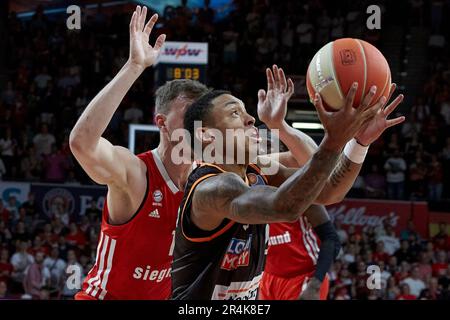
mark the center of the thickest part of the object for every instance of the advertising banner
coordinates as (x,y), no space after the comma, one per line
(363,213)
(14,189)
(184,52)
(58,198)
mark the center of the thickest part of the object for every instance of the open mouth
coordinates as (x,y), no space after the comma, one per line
(254,135)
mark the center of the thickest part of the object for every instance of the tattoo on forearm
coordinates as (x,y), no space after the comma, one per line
(303,187)
(341,170)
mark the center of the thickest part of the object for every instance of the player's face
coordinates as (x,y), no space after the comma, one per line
(229,114)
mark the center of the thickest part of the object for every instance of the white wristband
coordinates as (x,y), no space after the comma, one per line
(355,152)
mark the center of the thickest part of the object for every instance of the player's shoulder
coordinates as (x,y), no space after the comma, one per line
(221,185)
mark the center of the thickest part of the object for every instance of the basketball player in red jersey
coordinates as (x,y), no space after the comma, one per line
(299,254)
(138,221)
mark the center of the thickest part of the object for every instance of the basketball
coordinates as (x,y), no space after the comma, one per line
(339,63)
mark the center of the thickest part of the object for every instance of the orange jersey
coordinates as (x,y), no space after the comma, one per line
(134,259)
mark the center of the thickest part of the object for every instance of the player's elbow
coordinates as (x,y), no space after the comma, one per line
(328,198)
(285,210)
(75,141)
(79,142)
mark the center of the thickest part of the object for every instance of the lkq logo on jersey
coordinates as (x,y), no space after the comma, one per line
(237,254)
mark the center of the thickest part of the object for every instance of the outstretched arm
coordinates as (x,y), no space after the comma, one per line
(227,196)
(98,157)
(116,166)
(301,147)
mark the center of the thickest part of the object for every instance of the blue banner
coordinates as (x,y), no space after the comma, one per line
(60,198)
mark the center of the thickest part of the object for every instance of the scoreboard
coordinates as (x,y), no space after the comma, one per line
(182,60)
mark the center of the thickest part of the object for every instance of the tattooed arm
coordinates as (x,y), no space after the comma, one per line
(227,196)
(337,185)
(340,181)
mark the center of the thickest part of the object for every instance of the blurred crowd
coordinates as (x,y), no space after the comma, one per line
(44,257)
(376,263)
(52,73)
(47,258)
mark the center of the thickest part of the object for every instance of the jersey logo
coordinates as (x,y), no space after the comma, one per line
(157,197)
(255,179)
(280,239)
(154,214)
(237,254)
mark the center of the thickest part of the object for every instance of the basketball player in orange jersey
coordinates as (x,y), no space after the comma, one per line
(299,254)
(138,221)
(221,233)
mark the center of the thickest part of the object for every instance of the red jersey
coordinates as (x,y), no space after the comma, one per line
(293,249)
(134,259)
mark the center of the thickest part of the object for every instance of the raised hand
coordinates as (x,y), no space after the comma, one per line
(272,105)
(142,54)
(373,129)
(343,125)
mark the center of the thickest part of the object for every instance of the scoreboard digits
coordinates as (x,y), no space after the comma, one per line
(182,72)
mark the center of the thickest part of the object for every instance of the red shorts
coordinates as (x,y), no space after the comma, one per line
(276,288)
(81,295)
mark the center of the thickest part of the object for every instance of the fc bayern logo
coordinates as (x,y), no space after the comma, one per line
(58,201)
(157,196)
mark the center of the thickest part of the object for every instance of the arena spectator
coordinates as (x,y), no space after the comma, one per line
(417,176)
(441,241)
(30,205)
(75,271)
(6,268)
(409,231)
(390,241)
(441,265)
(4,291)
(55,165)
(375,183)
(395,177)
(42,79)
(435,179)
(416,285)
(405,293)
(31,165)
(76,238)
(424,266)
(5,215)
(37,278)
(21,260)
(392,291)
(43,141)
(57,267)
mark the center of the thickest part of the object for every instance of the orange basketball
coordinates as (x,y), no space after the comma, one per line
(339,63)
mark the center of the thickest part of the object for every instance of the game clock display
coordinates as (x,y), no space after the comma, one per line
(166,72)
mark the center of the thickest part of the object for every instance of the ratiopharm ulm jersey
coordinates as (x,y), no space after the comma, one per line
(223,264)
